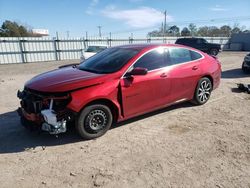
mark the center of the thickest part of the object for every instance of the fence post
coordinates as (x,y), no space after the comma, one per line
(83,42)
(86,42)
(164,40)
(130,40)
(55,49)
(110,39)
(21,51)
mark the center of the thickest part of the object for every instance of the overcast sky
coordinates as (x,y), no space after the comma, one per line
(121,16)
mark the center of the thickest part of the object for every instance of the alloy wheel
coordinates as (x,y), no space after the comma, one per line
(204,91)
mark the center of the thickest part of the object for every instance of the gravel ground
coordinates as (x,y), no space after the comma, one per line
(180,146)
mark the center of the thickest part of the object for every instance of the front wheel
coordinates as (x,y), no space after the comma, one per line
(202,91)
(94,121)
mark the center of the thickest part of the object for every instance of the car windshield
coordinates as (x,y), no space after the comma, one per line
(95,48)
(108,61)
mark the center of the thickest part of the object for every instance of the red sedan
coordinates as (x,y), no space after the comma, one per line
(116,84)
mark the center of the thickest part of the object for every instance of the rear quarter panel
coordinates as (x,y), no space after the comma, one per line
(212,67)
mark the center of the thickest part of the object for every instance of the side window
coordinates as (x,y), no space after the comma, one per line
(152,60)
(179,55)
(195,55)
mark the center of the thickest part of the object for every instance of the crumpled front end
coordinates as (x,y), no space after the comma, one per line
(45,111)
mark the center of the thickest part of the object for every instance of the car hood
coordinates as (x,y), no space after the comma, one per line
(64,79)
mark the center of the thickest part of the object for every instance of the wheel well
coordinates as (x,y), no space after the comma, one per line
(114,109)
(210,78)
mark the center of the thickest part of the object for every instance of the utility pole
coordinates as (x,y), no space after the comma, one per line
(100,30)
(165,22)
(86,35)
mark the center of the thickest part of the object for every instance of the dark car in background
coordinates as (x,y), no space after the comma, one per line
(246,64)
(200,44)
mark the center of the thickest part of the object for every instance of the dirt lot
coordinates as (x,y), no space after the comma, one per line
(180,146)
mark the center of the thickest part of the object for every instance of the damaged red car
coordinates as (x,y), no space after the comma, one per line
(116,84)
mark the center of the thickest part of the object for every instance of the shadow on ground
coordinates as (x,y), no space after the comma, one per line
(234,73)
(15,138)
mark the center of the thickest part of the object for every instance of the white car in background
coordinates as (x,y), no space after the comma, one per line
(92,50)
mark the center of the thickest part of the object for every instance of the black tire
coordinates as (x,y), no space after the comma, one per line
(214,51)
(94,121)
(203,91)
(245,69)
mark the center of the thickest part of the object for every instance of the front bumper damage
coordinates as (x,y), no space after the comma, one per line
(46,112)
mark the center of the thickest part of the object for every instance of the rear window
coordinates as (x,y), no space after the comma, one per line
(179,55)
(195,55)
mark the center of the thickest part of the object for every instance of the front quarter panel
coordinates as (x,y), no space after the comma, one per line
(107,90)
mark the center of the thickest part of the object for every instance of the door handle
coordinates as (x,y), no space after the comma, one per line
(195,68)
(163,75)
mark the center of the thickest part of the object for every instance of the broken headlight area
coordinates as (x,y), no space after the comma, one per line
(46,111)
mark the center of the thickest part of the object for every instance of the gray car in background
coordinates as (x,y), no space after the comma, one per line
(92,50)
(246,64)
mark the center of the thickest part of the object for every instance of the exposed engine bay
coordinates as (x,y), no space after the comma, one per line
(45,111)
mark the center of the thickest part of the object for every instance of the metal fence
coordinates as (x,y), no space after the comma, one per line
(23,50)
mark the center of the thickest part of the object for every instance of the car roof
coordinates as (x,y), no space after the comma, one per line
(146,46)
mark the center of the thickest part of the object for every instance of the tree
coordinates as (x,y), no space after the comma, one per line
(203,31)
(10,29)
(246,31)
(155,33)
(225,30)
(193,29)
(174,30)
(185,32)
(236,30)
(13,29)
(214,31)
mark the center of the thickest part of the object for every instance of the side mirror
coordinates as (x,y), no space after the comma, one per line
(138,71)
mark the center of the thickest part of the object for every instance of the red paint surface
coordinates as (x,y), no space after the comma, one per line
(131,96)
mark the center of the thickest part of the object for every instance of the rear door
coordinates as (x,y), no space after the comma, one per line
(145,93)
(184,73)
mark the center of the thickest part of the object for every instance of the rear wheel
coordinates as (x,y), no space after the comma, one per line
(214,51)
(94,121)
(202,91)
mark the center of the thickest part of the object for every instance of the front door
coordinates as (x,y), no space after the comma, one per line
(144,93)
